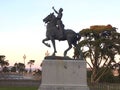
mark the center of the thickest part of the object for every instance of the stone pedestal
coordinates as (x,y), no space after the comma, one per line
(64,75)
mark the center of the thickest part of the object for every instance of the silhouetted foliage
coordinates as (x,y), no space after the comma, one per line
(31,62)
(99,45)
(13,69)
(5,69)
(3,63)
(20,67)
(38,72)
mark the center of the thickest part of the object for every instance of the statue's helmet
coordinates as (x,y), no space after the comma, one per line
(60,9)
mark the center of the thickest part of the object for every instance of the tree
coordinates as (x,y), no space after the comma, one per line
(31,62)
(2,58)
(20,67)
(100,44)
(13,69)
(3,63)
(5,69)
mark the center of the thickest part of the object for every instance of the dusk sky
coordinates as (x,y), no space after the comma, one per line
(22,28)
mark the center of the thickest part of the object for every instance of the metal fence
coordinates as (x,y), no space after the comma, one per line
(19,83)
(104,86)
(99,86)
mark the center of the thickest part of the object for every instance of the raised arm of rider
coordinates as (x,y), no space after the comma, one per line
(54,10)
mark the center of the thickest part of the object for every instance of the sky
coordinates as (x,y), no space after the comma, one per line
(22,28)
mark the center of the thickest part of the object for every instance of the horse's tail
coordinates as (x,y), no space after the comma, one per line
(78,36)
(76,39)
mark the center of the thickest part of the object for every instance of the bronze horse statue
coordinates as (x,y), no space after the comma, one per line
(52,34)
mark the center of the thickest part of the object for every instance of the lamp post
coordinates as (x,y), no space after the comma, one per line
(24,57)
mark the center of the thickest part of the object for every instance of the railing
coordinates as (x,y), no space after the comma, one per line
(19,83)
(99,86)
(104,86)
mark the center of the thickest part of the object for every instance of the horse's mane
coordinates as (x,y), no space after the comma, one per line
(53,16)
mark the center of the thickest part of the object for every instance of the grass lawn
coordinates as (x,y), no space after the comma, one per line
(18,88)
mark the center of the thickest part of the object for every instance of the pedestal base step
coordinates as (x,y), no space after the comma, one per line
(62,87)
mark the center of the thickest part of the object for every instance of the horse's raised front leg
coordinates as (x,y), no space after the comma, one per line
(53,42)
(46,39)
(70,46)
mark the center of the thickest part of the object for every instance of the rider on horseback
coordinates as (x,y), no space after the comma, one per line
(52,33)
(59,22)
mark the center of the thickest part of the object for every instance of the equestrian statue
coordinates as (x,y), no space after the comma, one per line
(56,31)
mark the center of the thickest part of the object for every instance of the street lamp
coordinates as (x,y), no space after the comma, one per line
(24,57)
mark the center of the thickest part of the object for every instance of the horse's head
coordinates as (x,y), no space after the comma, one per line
(49,18)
